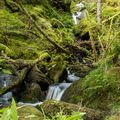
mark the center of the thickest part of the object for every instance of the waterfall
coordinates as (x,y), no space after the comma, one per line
(5,80)
(57,90)
(72,77)
(80,14)
(75,18)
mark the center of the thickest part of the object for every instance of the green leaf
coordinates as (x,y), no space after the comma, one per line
(14,115)
(6,115)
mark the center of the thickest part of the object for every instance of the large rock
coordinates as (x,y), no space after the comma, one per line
(29,113)
(33,93)
(35,75)
(57,73)
(73,93)
(52,107)
(35,87)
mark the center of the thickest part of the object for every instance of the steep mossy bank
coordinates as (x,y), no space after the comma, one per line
(99,89)
(19,37)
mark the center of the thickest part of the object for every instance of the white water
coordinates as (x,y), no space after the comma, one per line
(72,77)
(4,82)
(31,104)
(80,13)
(75,18)
(56,91)
(6,97)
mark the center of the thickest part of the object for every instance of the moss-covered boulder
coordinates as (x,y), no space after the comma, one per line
(36,76)
(33,93)
(35,87)
(29,113)
(57,72)
(51,108)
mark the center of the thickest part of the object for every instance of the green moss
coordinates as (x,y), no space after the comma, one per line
(9,21)
(115,116)
(99,89)
(56,69)
(52,107)
(1,4)
(28,113)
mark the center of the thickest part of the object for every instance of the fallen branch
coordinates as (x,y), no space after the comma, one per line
(40,30)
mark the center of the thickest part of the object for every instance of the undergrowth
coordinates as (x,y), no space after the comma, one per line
(60,116)
(9,113)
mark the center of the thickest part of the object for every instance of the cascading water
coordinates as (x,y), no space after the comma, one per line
(31,104)
(80,14)
(71,76)
(57,90)
(5,80)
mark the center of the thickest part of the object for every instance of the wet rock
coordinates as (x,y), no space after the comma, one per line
(36,76)
(35,86)
(29,113)
(52,107)
(58,72)
(33,93)
(72,94)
